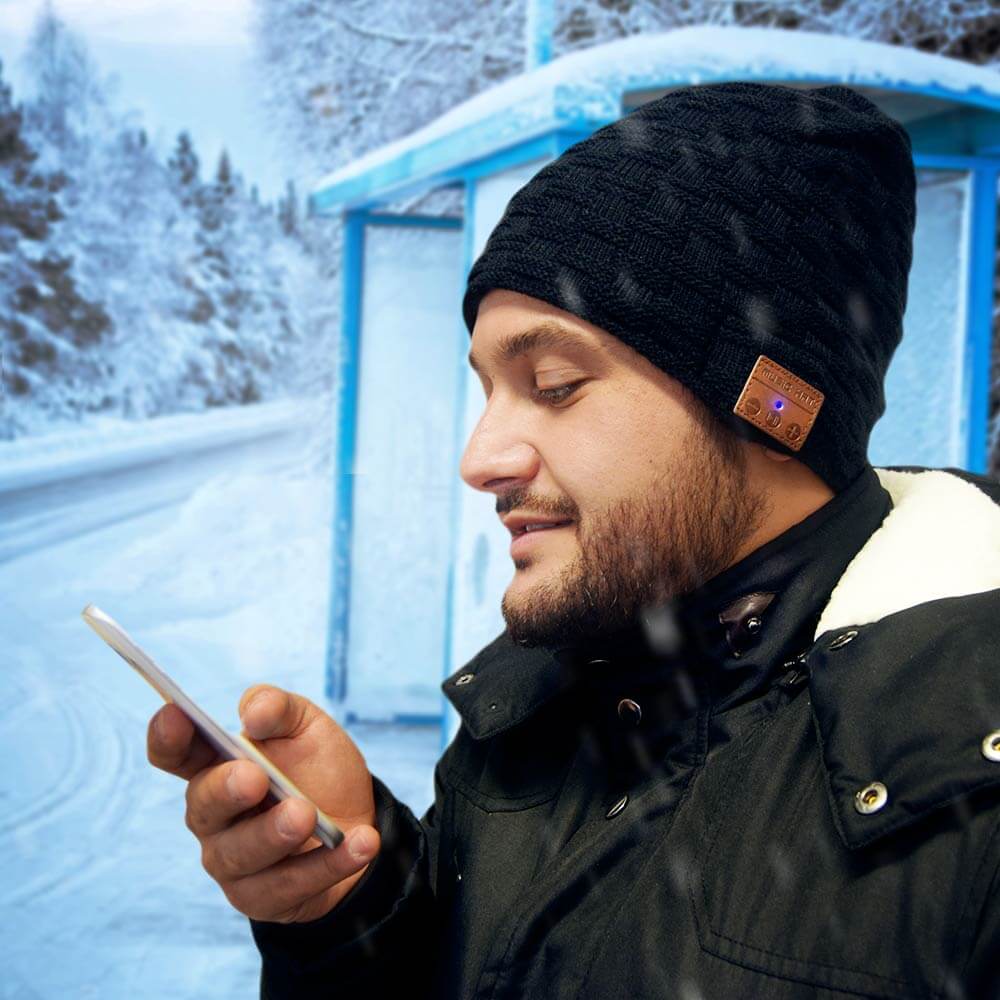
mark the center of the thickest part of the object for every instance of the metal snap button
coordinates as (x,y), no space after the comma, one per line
(991,745)
(629,711)
(871,798)
(753,624)
(465,678)
(843,640)
(617,807)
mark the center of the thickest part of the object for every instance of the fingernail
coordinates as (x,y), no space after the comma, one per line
(361,845)
(159,726)
(285,825)
(257,697)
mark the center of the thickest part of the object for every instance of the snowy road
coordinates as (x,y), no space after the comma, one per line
(52,489)
(225,582)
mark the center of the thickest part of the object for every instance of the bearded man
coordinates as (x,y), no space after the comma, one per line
(741,734)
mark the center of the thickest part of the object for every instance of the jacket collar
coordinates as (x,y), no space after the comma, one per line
(941,540)
(903,681)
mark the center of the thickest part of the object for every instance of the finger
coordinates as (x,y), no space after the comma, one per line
(268,712)
(250,845)
(277,892)
(217,795)
(174,745)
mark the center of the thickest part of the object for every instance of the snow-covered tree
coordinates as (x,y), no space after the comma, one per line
(49,333)
(342,78)
(288,210)
(185,167)
(129,284)
(967,30)
(67,102)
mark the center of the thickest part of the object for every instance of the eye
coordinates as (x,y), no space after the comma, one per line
(558,393)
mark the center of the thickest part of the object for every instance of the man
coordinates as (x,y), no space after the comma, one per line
(741,734)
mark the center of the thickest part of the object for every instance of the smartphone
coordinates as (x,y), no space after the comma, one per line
(232,747)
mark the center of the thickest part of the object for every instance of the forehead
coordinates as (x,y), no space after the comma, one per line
(546,335)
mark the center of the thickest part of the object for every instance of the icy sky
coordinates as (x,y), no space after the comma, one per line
(182,63)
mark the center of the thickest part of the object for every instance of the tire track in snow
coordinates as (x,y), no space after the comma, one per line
(49,800)
(92,794)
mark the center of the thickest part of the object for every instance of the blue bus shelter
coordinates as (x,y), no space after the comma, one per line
(420,560)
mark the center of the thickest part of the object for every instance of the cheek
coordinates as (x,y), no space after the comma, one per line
(602,462)
(634,449)
(619,448)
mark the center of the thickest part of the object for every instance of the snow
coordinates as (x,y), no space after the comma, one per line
(104,894)
(593,81)
(103,444)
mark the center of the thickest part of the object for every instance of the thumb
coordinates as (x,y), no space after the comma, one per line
(268,712)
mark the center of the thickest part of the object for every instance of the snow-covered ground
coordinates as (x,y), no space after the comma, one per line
(104,894)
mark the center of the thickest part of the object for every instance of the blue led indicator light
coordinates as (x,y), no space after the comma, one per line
(778,404)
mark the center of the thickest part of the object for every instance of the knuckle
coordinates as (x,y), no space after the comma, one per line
(195,821)
(194,814)
(226,858)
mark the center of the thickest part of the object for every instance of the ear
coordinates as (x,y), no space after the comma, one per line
(775,456)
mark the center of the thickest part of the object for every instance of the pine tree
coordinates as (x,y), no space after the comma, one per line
(288,210)
(49,333)
(224,176)
(184,168)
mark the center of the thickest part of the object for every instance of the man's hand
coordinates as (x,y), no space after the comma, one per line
(263,855)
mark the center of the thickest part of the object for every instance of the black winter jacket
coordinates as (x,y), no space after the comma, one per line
(793,792)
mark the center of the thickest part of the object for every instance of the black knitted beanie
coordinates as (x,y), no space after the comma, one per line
(751,240)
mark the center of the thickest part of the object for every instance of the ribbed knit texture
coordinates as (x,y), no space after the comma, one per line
(725,221)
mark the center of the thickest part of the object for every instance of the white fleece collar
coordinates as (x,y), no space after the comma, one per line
(941,539)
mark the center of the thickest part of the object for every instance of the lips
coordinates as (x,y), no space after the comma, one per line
(523,522)
(538,526)
(524,541)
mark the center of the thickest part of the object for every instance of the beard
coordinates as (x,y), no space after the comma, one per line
(645,551)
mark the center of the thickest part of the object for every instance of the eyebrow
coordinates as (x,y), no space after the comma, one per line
(544,335)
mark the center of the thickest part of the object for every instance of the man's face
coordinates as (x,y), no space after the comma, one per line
(657,502)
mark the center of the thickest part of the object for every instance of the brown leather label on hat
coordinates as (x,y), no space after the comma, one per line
(779,403)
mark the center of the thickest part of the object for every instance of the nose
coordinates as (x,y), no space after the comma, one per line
(497,456)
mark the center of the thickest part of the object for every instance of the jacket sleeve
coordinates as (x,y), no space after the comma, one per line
(383,935)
